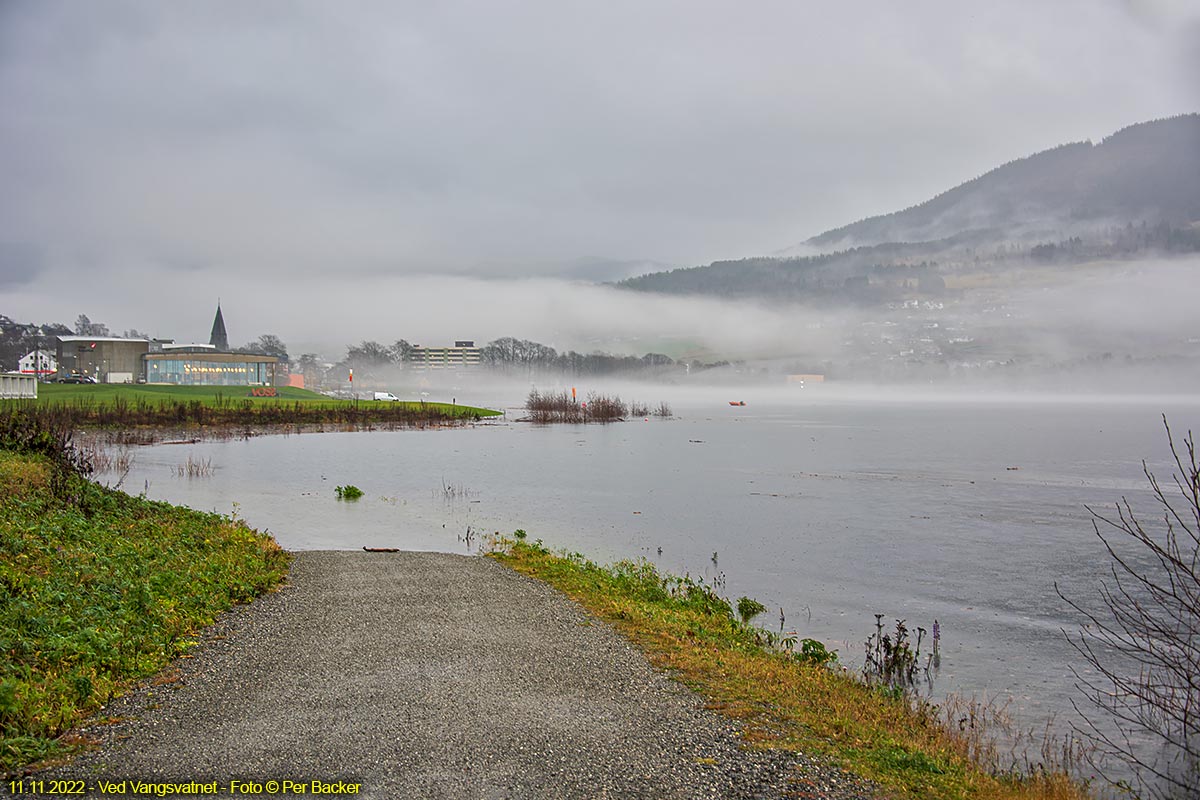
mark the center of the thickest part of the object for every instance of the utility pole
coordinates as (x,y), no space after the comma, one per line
(37,357)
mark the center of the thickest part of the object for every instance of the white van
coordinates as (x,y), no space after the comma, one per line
(386,396)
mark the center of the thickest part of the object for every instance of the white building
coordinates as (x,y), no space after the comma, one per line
(37,362)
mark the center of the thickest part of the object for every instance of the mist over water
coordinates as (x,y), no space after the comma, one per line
(1139,312)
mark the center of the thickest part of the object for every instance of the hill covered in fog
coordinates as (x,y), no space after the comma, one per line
(1135,194)
(1146,172)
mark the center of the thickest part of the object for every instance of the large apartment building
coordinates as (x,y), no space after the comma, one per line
(463,355)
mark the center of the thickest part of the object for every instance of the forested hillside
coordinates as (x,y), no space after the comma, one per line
(1135,194)
(1149,171)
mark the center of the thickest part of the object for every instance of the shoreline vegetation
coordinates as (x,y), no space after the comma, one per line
(138,414)
(100,589)
(103,590)
(561,407)
(789,698)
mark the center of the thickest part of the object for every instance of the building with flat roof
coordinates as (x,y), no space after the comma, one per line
(187,347)
(111,359)
(205,367)
(464,354)
(211,364)
(108,359)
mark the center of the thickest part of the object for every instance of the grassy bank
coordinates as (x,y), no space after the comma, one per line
(99,589)
(127,406)
(107,393)
(785,699)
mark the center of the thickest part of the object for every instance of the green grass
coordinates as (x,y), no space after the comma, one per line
(98,590)
(106,393)
(213,396)
(784,699)
(126,407)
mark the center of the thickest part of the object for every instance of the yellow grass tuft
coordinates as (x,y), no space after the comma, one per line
(22,476)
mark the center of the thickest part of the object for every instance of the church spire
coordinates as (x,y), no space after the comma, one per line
(219,339)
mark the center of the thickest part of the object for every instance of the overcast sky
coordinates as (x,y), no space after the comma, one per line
(156,155)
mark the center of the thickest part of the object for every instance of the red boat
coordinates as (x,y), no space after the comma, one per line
(737,402)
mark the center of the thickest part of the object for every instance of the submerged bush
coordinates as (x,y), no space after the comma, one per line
(348,492)
(749,608)
(562,407)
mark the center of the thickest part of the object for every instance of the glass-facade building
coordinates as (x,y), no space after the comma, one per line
(210,369)
(112,359)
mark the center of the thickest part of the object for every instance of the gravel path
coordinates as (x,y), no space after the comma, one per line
(425,675)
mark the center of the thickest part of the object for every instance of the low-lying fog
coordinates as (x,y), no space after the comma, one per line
(1088,323)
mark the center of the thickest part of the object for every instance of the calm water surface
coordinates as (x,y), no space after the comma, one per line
(831,509)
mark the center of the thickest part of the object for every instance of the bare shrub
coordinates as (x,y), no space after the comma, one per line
(194,468)
(561,407)
(1141,648)
(552,407)
(455,491)
(602,408)
(986,732)
(107,459)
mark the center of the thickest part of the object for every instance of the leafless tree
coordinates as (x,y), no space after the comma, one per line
(1141,643)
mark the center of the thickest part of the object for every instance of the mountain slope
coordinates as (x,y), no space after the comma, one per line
(1135,194)
(1149,171)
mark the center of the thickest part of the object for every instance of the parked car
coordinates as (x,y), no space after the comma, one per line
(75,378)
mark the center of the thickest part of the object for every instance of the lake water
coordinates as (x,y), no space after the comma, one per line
(832,508)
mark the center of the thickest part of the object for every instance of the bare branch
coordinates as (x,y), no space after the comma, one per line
(1141,649)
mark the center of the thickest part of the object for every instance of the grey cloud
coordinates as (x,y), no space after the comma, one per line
(291,141)
(20,263)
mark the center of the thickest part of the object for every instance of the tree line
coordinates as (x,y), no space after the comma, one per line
(507,355)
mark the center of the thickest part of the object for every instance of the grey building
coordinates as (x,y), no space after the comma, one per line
(111,359)
(108,359)
(463,355)
(211,364)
